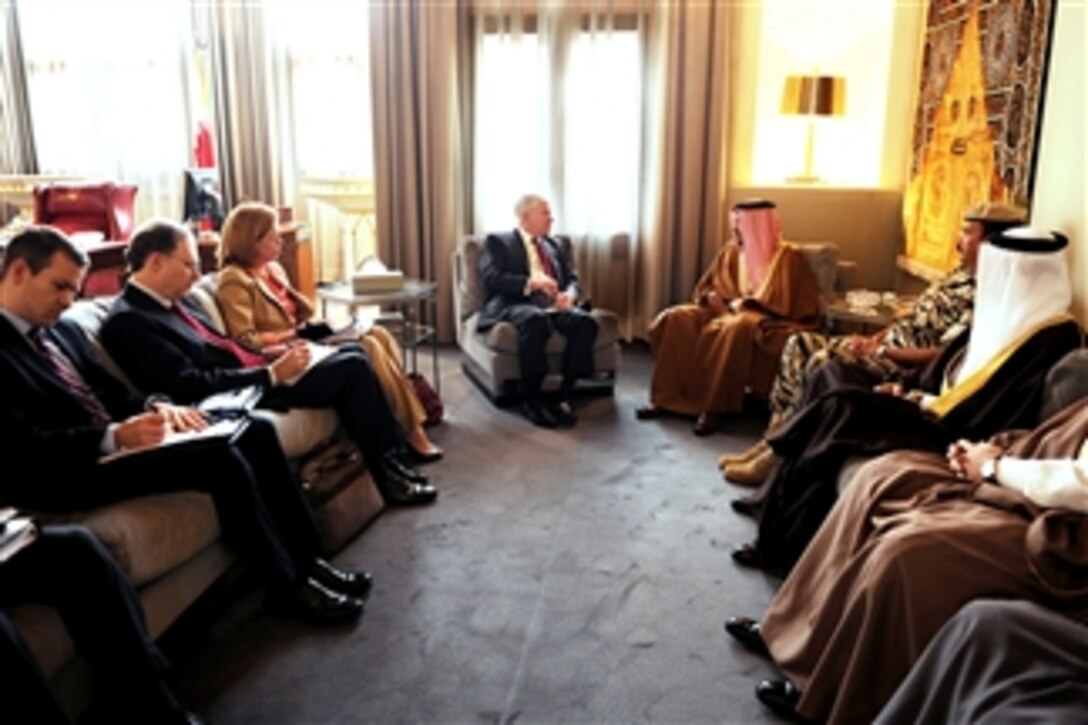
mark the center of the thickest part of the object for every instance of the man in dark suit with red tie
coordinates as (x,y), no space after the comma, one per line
(529,281)
(61,413)
(162,345)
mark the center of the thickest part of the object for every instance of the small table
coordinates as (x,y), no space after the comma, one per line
(414,314)
(841,317)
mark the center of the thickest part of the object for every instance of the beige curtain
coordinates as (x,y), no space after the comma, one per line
(684,179)
(417,141)
(253,125)
(17,148)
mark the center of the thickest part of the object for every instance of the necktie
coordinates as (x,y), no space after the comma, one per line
(545,259)
(245,357)
(66,371)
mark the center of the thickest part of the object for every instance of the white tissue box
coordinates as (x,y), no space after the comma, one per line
(373,282)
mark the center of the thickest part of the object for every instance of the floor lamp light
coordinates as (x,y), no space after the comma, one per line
(812,96)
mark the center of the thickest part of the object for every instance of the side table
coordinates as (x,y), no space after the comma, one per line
(413,313)
(842,318)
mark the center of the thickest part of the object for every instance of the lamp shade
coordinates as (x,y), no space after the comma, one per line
(814,95)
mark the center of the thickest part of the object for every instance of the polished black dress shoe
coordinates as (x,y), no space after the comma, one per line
(563,415)
(648,412)
(781,696)
(313,603)
(351,583)
(396,467)
(748,632)
(745,506)
(406,493)
(748,555)
(538,416)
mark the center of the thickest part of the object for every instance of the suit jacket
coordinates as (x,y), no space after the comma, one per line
(159,352)
(49,438)
(504,267)
(250,307)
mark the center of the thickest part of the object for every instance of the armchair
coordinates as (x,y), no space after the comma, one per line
(490,359)
(103,207)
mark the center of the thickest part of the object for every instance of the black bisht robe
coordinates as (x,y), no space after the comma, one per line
(844,417)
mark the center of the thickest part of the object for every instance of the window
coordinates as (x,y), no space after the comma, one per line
(559,116)
(329,81)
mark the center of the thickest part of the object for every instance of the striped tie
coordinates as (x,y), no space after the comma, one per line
(67,372)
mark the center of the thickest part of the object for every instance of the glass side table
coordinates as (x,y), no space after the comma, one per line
(411,319)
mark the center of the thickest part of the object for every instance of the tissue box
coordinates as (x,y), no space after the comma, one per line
(373,282)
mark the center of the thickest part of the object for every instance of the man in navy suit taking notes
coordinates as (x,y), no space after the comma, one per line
(529,281)
(61,412)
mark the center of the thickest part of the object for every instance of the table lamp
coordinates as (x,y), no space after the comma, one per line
(812,96)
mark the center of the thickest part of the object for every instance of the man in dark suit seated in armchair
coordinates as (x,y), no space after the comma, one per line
(67,568)
(529,281)
(163,345)
(61,412)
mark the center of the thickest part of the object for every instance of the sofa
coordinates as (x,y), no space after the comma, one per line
(170,544)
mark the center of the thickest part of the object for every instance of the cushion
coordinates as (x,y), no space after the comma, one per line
(151,535)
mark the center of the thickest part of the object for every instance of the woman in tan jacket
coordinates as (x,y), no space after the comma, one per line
(263,311)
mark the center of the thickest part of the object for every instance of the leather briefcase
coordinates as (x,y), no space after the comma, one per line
(341,493)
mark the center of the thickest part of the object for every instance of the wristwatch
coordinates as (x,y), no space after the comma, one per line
(988,470)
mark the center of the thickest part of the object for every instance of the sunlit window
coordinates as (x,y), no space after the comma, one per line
(107,98)
(329,77)
(570,130)
(851,39)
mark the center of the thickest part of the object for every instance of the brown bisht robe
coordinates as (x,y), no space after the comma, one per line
(903,550)
(850,419)
(705,362)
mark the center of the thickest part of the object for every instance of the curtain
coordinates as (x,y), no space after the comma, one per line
(108,99)
(418,174)
(17,150)
(253,120)
(685,175)
(615,111)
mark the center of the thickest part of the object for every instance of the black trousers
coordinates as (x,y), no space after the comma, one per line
(346,382)
(535,327)
(67,568)
(260,505)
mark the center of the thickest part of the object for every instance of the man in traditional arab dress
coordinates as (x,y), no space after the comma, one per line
(989,379)
(916,537)
(753,296)
(912,340)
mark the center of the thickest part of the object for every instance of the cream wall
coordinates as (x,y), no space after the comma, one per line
(865,223)
(1059,196)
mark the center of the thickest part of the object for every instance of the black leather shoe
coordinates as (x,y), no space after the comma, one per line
(538,416)
(781,696)
(563,415)
(405,493)
(748,632)
(745,506)
(351,583)
(748,555)
(396,467)
(313,603)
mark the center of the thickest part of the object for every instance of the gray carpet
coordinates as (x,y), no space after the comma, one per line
(578,575)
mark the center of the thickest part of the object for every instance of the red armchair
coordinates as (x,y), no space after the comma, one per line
(103,207)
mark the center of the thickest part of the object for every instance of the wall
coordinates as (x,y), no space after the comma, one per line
(1059,196)
(865,223)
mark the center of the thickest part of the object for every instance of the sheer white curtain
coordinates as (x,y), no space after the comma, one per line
(558,111)
(108,96)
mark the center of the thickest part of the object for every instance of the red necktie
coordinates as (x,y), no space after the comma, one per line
(245,357)
(545,259)
(66,371)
